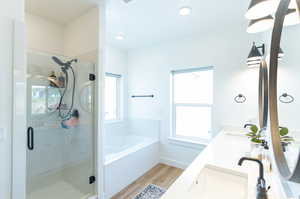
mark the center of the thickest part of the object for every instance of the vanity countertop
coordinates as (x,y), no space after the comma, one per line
(224,151)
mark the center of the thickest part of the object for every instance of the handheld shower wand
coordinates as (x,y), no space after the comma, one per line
(65,66)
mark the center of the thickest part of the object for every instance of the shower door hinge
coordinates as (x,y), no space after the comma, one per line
(92,179)
(92,77)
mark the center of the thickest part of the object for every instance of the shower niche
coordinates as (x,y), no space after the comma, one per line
(61,56)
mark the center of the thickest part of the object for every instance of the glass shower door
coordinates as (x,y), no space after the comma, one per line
(60,136)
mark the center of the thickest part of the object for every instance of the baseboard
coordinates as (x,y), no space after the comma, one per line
(174,163)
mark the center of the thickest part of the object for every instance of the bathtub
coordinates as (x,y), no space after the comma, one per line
(127,158)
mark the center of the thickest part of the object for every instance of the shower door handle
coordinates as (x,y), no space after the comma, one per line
(30,138)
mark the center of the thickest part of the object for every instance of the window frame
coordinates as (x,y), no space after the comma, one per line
(118,95)
(174,105)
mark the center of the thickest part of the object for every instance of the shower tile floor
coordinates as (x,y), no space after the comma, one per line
(58,190)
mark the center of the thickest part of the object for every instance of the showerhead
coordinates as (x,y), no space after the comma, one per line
(58,61)
(65,66)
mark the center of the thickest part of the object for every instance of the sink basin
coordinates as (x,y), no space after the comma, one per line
(218,183)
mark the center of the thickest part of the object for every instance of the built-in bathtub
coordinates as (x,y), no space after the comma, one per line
(126,145)
(129,154)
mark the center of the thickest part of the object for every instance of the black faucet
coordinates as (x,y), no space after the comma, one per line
(246,125)
(261,183)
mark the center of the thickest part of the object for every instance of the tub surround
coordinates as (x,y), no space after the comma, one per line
(224,152)
(124,170)
(131,148)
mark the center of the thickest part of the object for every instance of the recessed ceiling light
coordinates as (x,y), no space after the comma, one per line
(120,37)
(185,11)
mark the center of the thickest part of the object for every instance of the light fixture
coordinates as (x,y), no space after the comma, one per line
(253,65)
(120,37)
(255,56)
(185,11)
(280,54)
(291,18)
(261,24)
(261,8)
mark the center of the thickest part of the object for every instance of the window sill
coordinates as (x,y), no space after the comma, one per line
(199,144)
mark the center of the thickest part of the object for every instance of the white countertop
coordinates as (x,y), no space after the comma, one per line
(224,151)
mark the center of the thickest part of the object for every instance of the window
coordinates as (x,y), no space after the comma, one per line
(39,100)
(44,99)
(192,100)
(112,96)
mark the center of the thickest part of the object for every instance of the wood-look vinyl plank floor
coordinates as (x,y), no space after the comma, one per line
(161,175)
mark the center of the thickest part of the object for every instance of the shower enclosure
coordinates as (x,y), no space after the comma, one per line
(60,135)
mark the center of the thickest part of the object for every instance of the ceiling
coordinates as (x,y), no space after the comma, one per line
(60,11)
(144,22)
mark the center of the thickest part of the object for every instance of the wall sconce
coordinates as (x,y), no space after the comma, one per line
(280,54)
(255,56)
(261,8)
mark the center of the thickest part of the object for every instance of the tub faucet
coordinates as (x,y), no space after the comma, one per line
(246,125)
(261,190)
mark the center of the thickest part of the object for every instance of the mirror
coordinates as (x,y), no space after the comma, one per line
(85,97)
(288,88)
(285,94)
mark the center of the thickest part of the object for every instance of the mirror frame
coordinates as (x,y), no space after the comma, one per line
(278,153)
(263,94)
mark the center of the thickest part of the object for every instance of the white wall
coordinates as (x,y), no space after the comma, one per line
(78,38)
(12,9)
(9,10)
(149,73)
(81,35)
(6,63)
(44,35)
